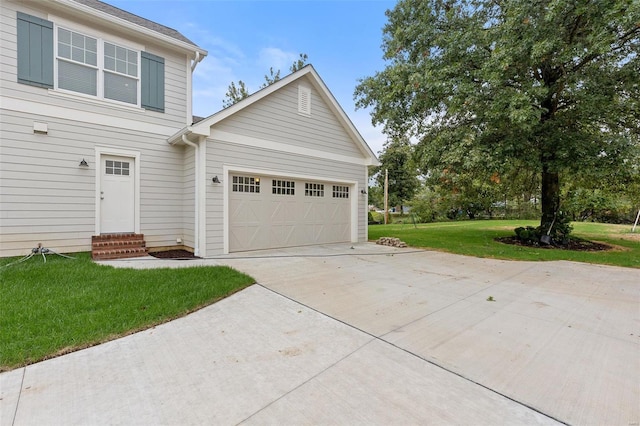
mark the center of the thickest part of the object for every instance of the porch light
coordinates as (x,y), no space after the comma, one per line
(84,163)
(216,180)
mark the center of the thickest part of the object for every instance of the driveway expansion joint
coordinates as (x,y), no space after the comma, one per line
(381,339)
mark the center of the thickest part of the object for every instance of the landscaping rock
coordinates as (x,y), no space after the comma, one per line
(392,242)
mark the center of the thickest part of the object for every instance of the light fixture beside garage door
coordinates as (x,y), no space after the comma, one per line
(216,180)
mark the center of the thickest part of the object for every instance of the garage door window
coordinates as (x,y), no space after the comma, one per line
(245,184)
(340,191)
(283,187)
(314,189)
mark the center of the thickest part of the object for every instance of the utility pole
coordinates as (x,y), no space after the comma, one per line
(386,196)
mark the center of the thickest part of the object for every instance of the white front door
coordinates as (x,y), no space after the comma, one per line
(117,194)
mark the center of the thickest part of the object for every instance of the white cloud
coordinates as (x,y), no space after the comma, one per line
(278,59)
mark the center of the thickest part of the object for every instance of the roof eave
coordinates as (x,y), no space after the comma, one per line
(176,138)
(203,126)
(181,45)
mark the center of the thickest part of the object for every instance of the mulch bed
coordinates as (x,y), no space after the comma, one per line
(174,254)
(572,244)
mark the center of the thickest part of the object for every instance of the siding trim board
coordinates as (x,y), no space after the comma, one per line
(84,115)
(281,147)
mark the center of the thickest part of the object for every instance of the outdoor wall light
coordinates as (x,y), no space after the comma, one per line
(215,180)
(84,163)
(363,192)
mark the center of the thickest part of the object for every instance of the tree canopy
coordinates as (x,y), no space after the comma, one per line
(397,159)
(553,85)
(236,93)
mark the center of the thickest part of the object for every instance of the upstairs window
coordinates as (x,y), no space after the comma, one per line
(88,65)
(120,73)
(98,68)
(77,62)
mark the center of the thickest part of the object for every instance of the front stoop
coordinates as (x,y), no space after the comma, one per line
(117,246)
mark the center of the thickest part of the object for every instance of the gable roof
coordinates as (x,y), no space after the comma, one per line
(202,127)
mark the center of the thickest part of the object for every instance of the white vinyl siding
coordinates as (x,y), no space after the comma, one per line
(276,118)
(48,198)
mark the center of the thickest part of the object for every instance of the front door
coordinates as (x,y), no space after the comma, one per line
(117,194)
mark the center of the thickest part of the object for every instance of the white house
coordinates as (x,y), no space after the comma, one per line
(98,142)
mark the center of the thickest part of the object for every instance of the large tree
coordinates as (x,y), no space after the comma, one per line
(553,84)
(397,160)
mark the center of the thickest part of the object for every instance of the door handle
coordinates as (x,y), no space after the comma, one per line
(102,195)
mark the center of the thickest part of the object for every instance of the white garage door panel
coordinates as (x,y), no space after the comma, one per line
(246,211)
(266,220)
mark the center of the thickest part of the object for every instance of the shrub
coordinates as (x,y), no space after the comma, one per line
(375,218)
(528,235)
(559,231)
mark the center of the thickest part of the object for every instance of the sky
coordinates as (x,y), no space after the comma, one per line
(245,38)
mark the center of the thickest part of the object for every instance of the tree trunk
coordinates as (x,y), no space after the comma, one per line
(550,197)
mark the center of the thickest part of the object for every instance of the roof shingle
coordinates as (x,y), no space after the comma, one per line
(123,14)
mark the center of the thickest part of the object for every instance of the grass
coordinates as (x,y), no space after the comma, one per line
(63,305)
(476,238)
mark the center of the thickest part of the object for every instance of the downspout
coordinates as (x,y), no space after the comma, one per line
(196,61)
(196,225)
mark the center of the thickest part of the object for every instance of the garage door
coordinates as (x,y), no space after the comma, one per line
(273,212)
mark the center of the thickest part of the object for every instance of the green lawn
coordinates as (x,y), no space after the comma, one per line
(64,305)
(476,238)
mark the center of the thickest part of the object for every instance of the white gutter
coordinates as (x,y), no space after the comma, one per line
(196,225)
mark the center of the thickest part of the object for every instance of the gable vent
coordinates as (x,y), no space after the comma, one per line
(304,100)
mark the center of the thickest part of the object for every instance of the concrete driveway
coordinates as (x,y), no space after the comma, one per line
(364,335)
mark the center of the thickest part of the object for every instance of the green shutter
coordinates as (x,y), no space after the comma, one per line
(152,80)
(35,51)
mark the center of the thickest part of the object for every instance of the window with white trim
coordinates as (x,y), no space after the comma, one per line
(283,187)
(314,189)
(340,191)
(97,67)
(245,184)
(54,57)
